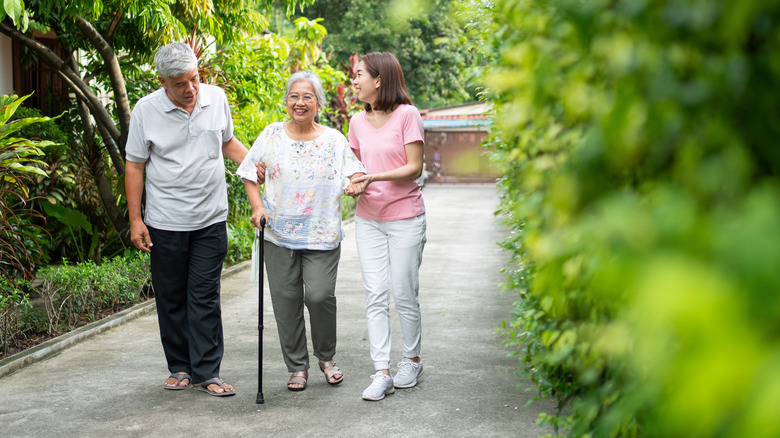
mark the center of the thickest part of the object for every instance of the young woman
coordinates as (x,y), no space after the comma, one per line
(390,219)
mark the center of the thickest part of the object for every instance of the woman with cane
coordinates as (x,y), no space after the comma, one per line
(308,166)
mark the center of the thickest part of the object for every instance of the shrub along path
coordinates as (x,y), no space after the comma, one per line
(111,383)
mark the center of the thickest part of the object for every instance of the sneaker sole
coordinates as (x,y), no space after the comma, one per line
(387,392)
(411,385)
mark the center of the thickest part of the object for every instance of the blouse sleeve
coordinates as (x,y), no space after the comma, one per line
(257,153)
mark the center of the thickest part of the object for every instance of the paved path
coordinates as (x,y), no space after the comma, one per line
(110,384)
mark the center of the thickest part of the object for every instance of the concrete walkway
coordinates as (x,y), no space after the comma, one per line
(110,384)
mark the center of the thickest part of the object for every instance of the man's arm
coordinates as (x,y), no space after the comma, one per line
(134,188)
(234,150)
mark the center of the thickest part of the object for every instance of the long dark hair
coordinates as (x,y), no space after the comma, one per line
(392,88)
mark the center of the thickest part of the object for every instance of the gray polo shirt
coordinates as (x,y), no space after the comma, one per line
(185,173)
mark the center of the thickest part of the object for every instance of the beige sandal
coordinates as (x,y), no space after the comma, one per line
(298,378)
(330,369)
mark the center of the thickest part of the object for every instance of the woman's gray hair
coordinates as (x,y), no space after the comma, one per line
(175,59)
(313,79)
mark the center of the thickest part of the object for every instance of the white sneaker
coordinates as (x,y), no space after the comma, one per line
(408,372)
(382,385)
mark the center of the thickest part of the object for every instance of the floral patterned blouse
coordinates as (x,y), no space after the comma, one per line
(304,182)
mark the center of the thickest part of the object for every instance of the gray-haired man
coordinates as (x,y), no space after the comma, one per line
(178,136)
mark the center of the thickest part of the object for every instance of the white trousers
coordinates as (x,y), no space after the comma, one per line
(390,256)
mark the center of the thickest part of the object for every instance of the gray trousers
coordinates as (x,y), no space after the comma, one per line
(298,277)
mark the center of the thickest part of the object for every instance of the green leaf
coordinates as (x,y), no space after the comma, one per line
(14,9)
(29,169)
(68,216)
(9,109)
(25,22)
(16,125)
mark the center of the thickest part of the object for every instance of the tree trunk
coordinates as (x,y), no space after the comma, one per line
(115,74)
(97,168)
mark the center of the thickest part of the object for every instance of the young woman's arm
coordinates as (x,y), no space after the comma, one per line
(411,170)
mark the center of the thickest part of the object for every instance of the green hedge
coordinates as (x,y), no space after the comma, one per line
(639,141)
(70,296)
(85,292)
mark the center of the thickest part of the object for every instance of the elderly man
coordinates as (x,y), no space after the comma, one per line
(178,137)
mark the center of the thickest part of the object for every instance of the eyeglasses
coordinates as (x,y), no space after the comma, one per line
(307,98)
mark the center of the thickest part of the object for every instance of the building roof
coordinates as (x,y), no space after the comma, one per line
(468,117)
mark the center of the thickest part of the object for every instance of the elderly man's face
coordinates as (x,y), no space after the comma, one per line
(183,89)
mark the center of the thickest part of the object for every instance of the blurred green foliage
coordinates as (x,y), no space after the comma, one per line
(428,40)
(639,141)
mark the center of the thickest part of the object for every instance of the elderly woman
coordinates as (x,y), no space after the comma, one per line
(308,166)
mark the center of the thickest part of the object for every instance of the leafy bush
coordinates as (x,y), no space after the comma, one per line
(65,191)
(241,234)
(14,303)
(639,145)
(75,216)
(20,158)
(85,292)
(348,206)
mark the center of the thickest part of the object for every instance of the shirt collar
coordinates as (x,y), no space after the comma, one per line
(168,105)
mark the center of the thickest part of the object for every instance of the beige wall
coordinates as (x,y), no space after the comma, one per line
(462,159)
(6,66)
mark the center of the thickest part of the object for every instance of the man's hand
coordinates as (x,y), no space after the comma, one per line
(134,187)
(260,172)
(139,235)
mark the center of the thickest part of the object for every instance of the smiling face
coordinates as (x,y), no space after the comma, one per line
(302,104)
(366,87)
(183,89)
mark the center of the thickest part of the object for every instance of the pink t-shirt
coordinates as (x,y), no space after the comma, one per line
(382,150)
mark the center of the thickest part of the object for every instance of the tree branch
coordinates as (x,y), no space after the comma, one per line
(116,158)
(97,168)
(73,80)
(114,73)
(114,26)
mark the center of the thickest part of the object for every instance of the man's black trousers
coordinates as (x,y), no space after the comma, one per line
(186,272)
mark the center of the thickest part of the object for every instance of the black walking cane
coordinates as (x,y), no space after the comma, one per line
(260,400)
